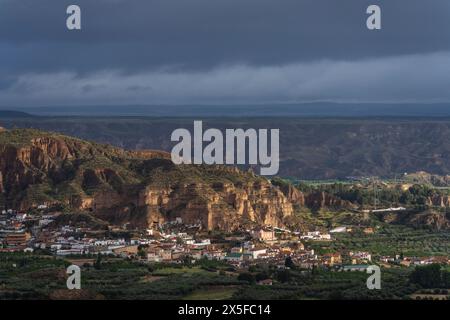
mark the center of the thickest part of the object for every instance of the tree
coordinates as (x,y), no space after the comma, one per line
(427,276)
(262,276)
(289,263)
(98,262)
(142,253)
(446,279)
(246,276)
(283,276)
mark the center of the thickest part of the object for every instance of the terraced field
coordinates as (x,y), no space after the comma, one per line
(391,240)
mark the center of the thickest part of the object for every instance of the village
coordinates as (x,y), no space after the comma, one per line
(177,243)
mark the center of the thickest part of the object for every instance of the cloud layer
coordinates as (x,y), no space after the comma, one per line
(222,51)
(417,78)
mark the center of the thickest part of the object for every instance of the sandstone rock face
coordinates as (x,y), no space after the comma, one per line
(294,195)
(439,201)
(223,206)
(20,162)
(431,219)
(125,186)
(324,200)
(144,188)
(1,183)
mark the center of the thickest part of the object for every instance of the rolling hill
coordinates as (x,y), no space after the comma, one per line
(310,148)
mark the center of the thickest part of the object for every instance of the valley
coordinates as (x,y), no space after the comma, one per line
(141,227)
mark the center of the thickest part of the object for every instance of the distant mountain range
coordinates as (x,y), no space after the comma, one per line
(310,148)
(314,109)
(14,114)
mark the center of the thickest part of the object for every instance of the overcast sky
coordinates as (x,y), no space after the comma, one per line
(223,51)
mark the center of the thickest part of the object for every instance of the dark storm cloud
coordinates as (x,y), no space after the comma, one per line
(152,40)
(416,78)
(135,34)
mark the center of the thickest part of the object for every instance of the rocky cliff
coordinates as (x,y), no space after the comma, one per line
(430,218)
(143,188)
(314,200)
(438,200)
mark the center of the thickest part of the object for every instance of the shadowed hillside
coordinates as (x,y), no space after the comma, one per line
(309,148)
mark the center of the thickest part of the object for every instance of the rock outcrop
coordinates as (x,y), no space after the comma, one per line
(293,194)
(143,188)
(319,200)
(224,206)
(438,200)
(430,219)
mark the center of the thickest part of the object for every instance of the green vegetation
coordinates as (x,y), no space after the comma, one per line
(386,195)
(32,276)
(323,284)
(29,276)
(212,293)
(19,138)
(431,276)
(389,240)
